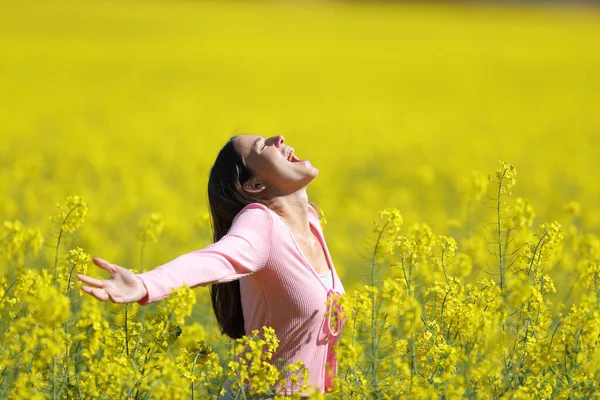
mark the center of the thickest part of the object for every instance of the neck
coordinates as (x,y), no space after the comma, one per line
(293,209)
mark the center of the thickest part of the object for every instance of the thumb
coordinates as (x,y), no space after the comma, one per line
(104,265)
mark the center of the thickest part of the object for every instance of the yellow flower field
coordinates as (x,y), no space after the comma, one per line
(457,149)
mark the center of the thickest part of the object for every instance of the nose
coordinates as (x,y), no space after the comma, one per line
(278,140)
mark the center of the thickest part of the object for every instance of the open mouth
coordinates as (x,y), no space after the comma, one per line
(291,157)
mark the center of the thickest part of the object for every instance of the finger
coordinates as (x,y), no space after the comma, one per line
(90,281)
(104,265)
(100,294)
(113,298)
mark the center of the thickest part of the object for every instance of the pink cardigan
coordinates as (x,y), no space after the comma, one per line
(278,286)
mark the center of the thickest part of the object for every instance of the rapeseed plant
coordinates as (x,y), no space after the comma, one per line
(451,338)
(148,232)
(421,331)
(419,328)
(425,323)
(16,240)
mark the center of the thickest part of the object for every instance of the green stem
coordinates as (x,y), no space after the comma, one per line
(373,319)
(66,327)
(126,304)
(58,242)
(193,367)
(413,358)
(150,353)
(54,282)
(126,331)
(500,234)
(405,278)
(6,292)
(53,329)
(53,375)
(444,267)
(56,257)
(534,254)
(137,345)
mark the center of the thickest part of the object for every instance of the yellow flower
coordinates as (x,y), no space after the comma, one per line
(77,263)
(552,234)
(473,188)
(71,213)
(390,220)
(151,228)
(15,239)
(505,177)
(322,218)
(523,213)
(406,248)
(446,244)
(179,304)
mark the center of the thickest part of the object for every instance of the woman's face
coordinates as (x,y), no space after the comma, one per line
(274,165)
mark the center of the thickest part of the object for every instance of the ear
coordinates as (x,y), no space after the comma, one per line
(254,186)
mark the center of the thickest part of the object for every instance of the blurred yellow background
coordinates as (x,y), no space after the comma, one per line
(127,103)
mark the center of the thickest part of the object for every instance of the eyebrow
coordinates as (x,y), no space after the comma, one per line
(256,142)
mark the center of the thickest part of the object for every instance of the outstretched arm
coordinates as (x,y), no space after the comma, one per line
(244,250)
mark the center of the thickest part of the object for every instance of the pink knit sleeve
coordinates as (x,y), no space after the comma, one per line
(242,251)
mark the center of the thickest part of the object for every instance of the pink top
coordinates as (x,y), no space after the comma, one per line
(278,286)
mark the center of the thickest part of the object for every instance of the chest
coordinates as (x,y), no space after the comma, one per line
(315,254)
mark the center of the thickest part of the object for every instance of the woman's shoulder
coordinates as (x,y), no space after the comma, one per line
(252,206)
(256,212)
(255,222)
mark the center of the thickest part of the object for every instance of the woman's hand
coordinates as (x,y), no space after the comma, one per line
(122,287)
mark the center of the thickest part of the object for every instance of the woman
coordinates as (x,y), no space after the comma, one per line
(269,265)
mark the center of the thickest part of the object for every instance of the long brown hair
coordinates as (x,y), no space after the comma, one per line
(226,199)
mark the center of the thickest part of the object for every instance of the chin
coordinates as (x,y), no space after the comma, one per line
(309,178)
